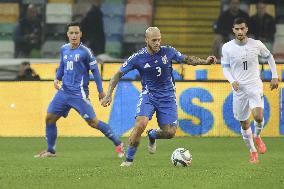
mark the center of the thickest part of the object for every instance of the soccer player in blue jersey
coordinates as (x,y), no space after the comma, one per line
(76,62)
(158,90)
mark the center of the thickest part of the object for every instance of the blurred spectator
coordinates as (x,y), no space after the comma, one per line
(93,29)
(224,24)
(27,35)
(262,25)
(26,73)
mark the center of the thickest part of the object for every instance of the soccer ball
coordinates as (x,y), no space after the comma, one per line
(181,157)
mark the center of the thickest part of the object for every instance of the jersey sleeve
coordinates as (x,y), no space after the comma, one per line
(225,62)
(264,52)
(92,61)
(129,64)
(60,70)
(95,71)
(177,55)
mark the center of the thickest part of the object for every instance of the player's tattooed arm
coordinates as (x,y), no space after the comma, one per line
(106,101)
(193,60)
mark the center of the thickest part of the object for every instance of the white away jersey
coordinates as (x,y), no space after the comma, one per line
(243,59)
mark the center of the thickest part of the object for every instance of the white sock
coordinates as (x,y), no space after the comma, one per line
(258,128)
(248,138)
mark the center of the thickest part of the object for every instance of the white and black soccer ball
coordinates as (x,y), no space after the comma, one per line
(181,157)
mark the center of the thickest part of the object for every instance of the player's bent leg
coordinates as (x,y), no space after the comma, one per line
(51,136)
(258,127)
(108,132)
(248,139)
(166,132)
(134,139)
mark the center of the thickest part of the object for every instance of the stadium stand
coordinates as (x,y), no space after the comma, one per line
(79,10)
(138,17)
(188,27)
(50,49)
(113,16)
(6,31)
(55,31)
(58,13)
(36,2)
(270,9)
(7,49)
(61,1)
(9,12)
(278,45)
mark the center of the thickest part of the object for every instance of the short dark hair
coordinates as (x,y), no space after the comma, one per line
(74,24)
(240,20)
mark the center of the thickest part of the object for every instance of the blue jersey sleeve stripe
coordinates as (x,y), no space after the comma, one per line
(266,57)
(225,65)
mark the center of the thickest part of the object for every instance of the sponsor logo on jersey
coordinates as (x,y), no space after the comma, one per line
(156,61)
(164,59)
(147,65)
(124,64)
(85,116)
(76,58)
(65,56)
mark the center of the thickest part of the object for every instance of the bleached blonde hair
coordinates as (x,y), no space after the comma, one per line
(151,29)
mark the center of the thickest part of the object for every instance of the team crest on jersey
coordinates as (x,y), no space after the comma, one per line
(76,58)
(164,59)
(124,64)
(65,56)
(147,65)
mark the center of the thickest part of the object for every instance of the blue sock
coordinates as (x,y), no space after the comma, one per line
(153,134)
(131,151)
(51,135)
(107,131)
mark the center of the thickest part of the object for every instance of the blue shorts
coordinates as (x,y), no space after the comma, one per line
(166,109)
(63,102)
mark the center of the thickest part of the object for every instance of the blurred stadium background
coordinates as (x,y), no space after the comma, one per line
(203,96)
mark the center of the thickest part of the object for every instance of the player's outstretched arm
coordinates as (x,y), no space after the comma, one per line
(193,60)
(106,101)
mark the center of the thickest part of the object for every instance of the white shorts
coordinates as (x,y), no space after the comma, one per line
(247,98)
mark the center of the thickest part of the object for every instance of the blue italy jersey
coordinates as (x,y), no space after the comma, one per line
(155,70)
(74,68)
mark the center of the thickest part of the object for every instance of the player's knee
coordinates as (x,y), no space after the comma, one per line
(93,123)
(245,124)
(171,133)
(141,124)
(50,119)
(133,142)
(258,118)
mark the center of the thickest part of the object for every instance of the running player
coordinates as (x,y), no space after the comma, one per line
(240,67)
(76,61)
(154,63)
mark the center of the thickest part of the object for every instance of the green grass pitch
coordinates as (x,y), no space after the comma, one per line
(92,163)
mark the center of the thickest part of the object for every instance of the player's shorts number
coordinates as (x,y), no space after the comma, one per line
(159,71)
